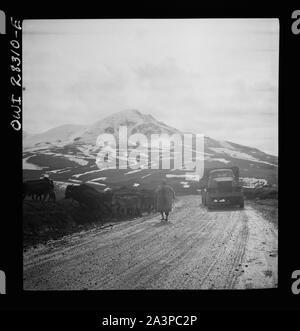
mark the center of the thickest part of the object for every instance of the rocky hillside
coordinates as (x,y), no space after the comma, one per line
(68,154)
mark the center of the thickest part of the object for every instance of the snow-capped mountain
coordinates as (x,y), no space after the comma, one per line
(63,133)
(135,121)
(68,154)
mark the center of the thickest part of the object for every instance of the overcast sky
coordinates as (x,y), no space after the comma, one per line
(217,77)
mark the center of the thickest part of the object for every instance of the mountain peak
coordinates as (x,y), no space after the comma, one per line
(132,111)
(133,119)
(127,112)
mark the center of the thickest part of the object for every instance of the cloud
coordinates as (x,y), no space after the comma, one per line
(217,76)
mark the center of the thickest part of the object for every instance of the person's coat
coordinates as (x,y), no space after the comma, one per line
(164,198)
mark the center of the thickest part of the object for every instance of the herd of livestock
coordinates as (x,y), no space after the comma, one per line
(120,202)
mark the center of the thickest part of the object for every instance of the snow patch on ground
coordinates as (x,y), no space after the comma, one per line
(238,155)
(251,182)
(185,184)
(190,177)
(30,166)
(61,172)
(234,154)
(87,150)
(96,179)
(78,160)
(37,148)
(75,180)
(63,185)
(225,144)
(58,170)
(132,172)
(87,172)
(95,183)
(212,159)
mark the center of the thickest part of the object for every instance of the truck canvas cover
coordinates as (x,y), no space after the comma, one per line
(204,179)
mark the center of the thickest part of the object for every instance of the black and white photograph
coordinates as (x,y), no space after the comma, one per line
(150,154)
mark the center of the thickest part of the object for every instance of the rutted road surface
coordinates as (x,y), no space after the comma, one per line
(196,249)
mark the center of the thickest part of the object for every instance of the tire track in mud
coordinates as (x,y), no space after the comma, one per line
(72,242)
(39,256)
(223,269)
(235,271)
(197,249)
(108,255)
(157,261)
(141,262)
(261,255)
(155,255)
(192,256)
(209,264)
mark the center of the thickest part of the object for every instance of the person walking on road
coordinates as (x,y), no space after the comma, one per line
(165,196)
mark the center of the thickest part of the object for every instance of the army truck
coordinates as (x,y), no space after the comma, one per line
(220,186)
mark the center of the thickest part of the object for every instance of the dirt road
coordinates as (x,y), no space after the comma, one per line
(196,249)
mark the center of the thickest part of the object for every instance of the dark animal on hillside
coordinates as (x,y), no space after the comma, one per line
(50,196)
(126,204)
(147,200)
(88,197)
(39,189)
